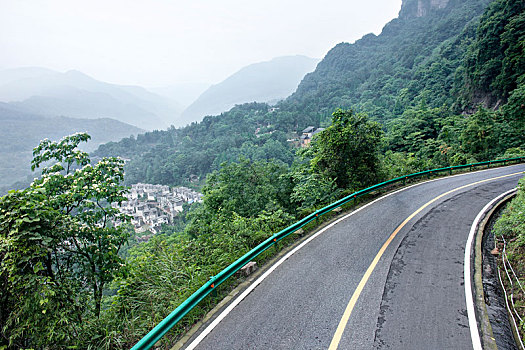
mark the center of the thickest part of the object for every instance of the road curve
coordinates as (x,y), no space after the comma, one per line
(414,296)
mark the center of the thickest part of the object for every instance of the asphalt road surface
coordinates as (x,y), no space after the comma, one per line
(414,297)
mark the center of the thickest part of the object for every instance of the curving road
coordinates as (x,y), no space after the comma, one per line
(337,292)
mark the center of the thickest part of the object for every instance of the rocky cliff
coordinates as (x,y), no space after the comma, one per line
(420,8)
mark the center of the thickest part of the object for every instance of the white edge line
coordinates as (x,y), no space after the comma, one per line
(473,324)
(248,290)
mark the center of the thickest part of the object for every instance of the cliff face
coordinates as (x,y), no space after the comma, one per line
(420,8)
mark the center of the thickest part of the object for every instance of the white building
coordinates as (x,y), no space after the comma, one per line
(152,206)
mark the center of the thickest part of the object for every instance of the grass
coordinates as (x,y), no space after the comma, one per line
(510,235)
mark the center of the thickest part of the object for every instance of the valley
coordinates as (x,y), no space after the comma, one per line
(138,200)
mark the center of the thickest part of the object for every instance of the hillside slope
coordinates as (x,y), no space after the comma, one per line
(383,75)
(20,132)
(74,94)
(413,78)
(260,82)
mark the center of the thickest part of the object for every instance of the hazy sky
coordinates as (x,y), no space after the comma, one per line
(160,42)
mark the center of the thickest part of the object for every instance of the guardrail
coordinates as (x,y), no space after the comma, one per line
(171,320)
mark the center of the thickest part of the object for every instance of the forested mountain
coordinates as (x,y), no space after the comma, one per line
(175,155)
(74,94)
(413,61)
(495,63)
(20,132)
(268,81)
(431,56)
(415,89)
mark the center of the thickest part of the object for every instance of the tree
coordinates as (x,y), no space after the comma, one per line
(60,240)
(310,189)
(413,129)
(245,189)
(41,302)
(347,151)
(479,138)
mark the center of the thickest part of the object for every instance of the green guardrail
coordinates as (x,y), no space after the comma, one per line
(171,320)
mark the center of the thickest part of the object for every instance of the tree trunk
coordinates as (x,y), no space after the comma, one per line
(97,290)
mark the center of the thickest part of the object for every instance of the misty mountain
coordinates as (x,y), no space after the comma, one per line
(424,59)
(182,93)
(268,81)
(74,94)
(20,132)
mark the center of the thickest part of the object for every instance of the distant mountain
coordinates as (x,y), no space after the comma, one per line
(183,94)
(20,132)
(425,58)
(74,94)
(269,81)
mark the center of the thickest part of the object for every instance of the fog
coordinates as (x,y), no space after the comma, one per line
(164,42)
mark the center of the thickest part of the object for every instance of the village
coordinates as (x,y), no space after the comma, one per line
(151,206)
(306,137)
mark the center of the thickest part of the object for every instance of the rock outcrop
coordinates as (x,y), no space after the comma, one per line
(420,8)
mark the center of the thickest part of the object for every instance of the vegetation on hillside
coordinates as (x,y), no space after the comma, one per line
(173,156)
(495,62)
(510,232)
(409,79)
(424,71)
(59,247)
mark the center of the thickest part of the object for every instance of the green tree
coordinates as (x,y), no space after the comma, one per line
(245,189)
(86,195)
(479,138)
(41,300)
(60,240)
(411,131)
(347,151)
(310,189)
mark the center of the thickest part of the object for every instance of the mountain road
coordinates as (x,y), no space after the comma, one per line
(386,276)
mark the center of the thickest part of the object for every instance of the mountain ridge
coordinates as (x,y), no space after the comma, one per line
(75,94)
(21,131)
(267,81)
(373,73)
(416,63)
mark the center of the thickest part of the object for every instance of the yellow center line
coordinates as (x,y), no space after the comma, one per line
(348,311)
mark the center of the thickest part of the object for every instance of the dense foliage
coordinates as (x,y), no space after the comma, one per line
(495,63)
(347,152)
(413,79)
(59,246)
(510,235)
